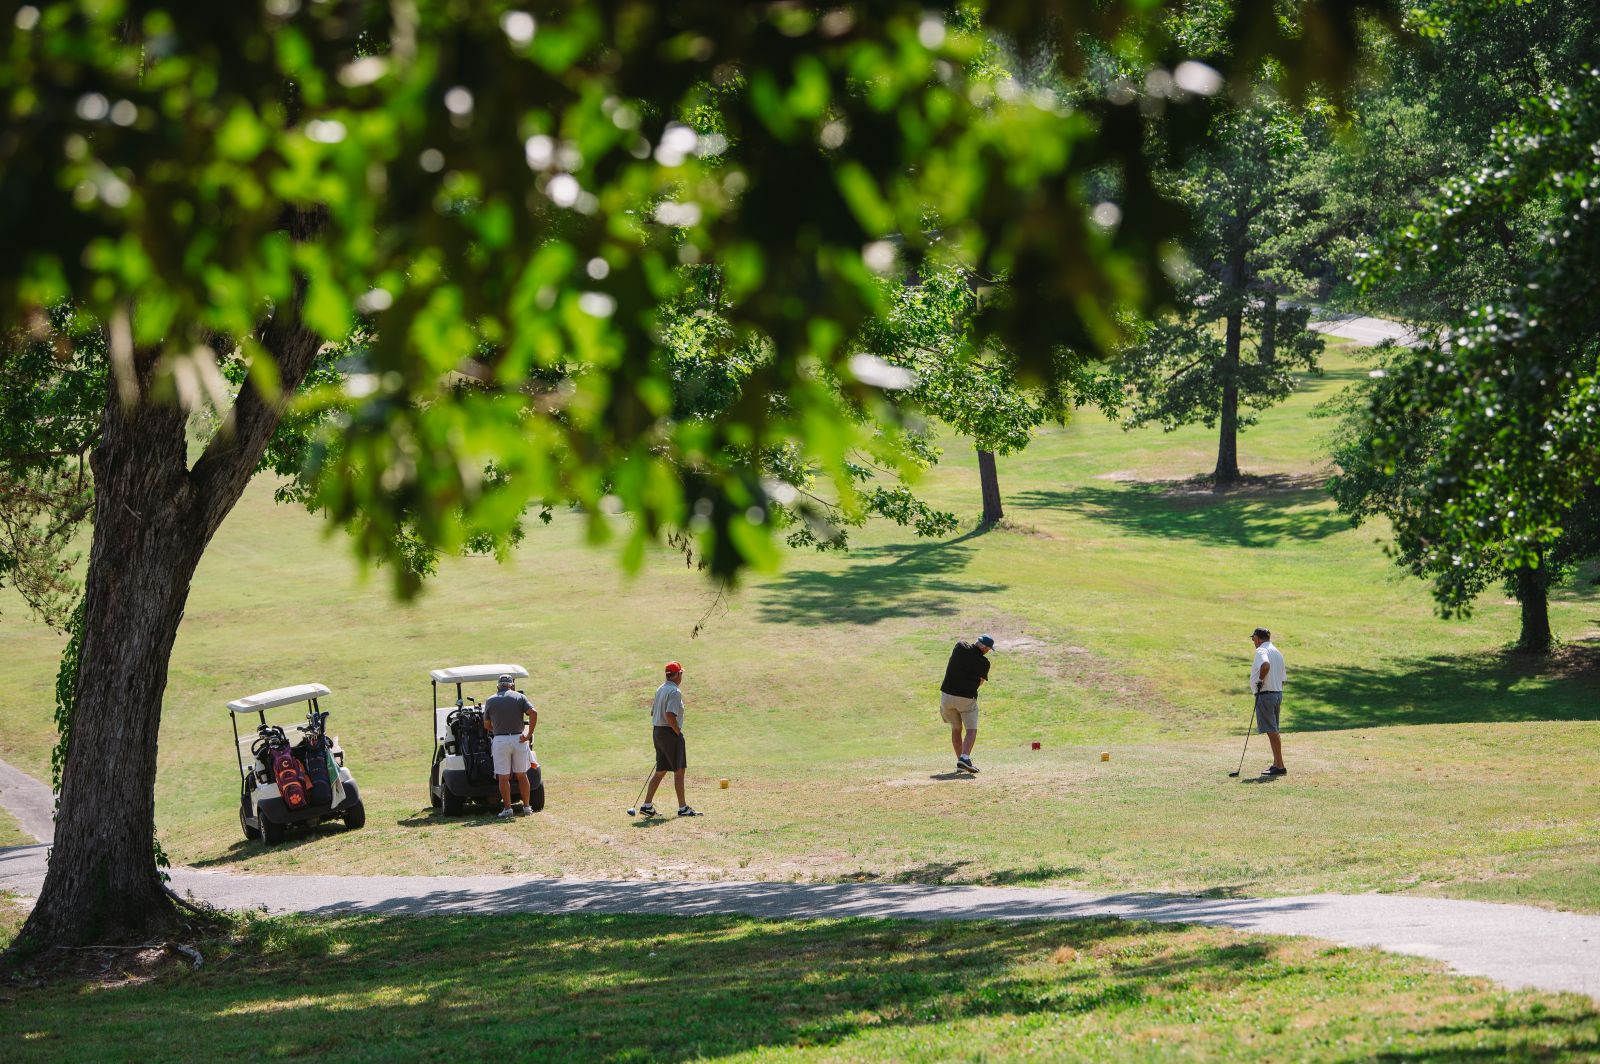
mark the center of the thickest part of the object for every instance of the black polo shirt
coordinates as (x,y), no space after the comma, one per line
(968,665)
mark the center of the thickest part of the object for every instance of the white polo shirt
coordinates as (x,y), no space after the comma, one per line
(1269,654)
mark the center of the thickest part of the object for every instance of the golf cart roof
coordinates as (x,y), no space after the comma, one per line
(283,696)
(476,673)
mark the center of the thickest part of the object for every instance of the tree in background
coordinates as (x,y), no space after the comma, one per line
(1508,395)
(500,190)
(1423,113)
(929,330)
(1232,345)
(1478,445)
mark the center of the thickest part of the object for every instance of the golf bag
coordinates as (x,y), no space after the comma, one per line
(294,786)
(472,743)
(316,759)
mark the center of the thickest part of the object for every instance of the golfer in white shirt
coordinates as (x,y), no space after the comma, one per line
(1266,679)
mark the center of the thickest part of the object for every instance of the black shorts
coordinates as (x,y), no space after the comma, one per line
(671,754)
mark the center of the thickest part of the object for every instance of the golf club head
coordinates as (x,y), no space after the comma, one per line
(631,812)
(1233,775)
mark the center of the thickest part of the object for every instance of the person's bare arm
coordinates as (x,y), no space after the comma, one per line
(1262,678)
(533,722)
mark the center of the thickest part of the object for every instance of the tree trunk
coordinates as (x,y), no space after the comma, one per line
(989,481)
(153,518)
(1235,292)
(1533,592)
(1227,471)
(102,877)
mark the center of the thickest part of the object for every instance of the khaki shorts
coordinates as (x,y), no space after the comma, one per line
(954,709)
(512,756)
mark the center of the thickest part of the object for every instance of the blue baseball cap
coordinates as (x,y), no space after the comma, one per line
(987,640)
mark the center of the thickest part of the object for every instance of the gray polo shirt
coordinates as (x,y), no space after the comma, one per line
(506,711)
(668,700)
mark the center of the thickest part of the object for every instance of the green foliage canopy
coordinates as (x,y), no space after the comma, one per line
(501,189)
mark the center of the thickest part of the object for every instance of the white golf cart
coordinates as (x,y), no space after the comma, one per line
(460,772)
(263,812)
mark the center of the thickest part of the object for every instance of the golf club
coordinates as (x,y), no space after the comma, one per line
(1248,728)
(634,808)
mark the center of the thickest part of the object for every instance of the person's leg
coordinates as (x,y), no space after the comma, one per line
(523,788)
(955,737)
(677,783)
(505,791)
(1277,749)
(655,781)
(965,749)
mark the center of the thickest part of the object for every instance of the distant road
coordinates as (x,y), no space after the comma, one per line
(1362,329)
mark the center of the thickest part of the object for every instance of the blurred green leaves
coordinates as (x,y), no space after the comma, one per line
(474,160)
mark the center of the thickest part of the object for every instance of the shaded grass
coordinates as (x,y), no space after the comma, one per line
(636,988)
(11,833)
(1421,757)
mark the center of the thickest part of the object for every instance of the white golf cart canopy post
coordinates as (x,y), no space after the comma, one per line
(265,700)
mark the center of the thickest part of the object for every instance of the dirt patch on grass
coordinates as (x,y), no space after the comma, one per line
(1006,524)
(1072,664)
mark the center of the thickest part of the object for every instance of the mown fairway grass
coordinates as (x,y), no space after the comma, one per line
(1421,756)
(642,988)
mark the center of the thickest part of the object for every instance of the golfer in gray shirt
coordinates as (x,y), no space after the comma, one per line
(512,747)
(666,732)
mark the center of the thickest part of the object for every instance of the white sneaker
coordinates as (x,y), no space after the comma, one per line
(506,814)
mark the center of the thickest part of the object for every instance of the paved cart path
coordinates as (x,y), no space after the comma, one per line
(1363,330)
(1516,945)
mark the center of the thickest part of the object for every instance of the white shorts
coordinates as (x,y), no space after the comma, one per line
(511,755)
(953,710)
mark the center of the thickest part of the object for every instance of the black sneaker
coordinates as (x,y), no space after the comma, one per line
(1275,770)
(647,810)
(686,811)
(964,764)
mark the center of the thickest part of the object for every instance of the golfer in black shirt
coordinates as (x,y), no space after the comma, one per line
(958,696)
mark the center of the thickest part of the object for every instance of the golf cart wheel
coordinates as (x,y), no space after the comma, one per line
(451,803)
(536,799)
(434,786)
(244,824)
(271,832)
(355,817)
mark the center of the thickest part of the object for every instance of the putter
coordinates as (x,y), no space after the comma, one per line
(634,808)
(1248,728)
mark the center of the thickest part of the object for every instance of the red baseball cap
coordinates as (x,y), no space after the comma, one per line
(672,667)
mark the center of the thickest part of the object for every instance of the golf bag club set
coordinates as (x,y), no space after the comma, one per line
(296,773)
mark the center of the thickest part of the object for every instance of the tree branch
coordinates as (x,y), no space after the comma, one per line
(236,448)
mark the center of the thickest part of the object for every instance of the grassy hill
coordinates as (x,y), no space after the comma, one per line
(1421,756)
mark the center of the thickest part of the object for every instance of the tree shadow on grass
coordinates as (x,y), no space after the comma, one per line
(952,873)
(242,850)
(670,988)
(1483,689)
(880,583)
(1262,513)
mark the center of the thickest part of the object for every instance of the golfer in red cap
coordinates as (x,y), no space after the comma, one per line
(666,717)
